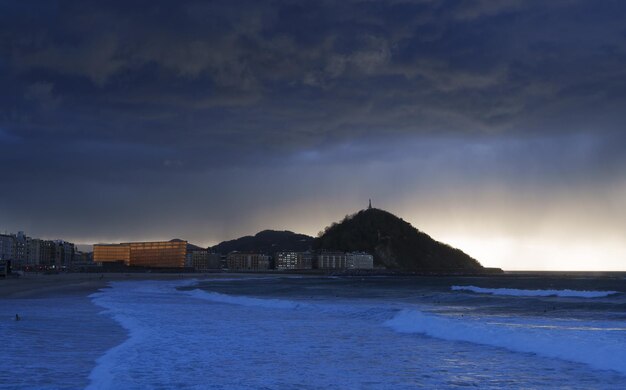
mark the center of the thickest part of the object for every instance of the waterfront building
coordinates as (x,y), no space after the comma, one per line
(34,249)
(7,247)
(108,253)
(359,260)
(248,261)
(19,255)
(47,258)
(331,260)
(82,259)
(162,254)
(64,253)
(25,251)
(294,260)
(203,260)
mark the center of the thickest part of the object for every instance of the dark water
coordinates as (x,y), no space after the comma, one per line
(475,328)
(56,343)
(318,333)
(436,291)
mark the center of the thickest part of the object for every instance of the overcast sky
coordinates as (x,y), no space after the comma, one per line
(497,127)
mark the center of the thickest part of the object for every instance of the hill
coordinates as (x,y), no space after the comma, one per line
(395,244)
(267,241)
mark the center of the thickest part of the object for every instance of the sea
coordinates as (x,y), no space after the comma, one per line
(275,332)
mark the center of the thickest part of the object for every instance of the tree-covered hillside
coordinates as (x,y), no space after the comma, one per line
(394,243)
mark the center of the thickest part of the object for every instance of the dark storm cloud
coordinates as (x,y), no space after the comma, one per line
(104,102)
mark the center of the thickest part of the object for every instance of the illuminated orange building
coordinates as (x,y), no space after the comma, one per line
(165,254)
(103,253)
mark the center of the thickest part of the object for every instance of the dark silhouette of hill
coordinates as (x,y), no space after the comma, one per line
(192,247)
(267,241)
(395,244)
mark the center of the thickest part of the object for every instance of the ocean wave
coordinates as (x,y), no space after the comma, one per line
(589,346)
(244,300)
(353,309)
(152,318)
(246,279)
(535,293)
(115,300)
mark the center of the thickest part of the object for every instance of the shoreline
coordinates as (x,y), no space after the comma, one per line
(53,285)
(39,285)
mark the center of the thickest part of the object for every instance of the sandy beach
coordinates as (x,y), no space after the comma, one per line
(34,285)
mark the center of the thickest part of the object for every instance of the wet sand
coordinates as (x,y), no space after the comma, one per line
(33,285)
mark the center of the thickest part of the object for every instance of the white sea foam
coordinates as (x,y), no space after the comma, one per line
(128,314)
(547,338)
(178,338)
(592,345)
(535,293)
(101,377)
(200,339)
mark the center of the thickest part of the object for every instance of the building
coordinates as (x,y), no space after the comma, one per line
(21,243)
(82,258)
(25,252)
(4,268)
(161,254)
(294,260)
(64,253)
(47,258)
(34,249)
(247,261)
(203,260)
(168,254)
(108,253)
(7,247)
(331,260)
(359,260)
